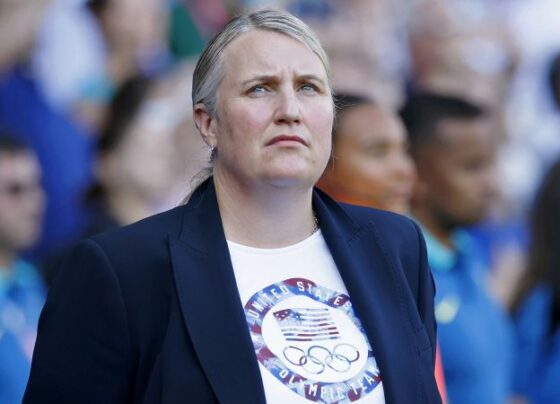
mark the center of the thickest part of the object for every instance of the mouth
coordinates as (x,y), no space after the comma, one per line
(286,139)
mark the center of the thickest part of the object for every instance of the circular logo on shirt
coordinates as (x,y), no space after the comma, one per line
(309,338)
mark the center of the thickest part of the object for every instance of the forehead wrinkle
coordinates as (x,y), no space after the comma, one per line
(263,60)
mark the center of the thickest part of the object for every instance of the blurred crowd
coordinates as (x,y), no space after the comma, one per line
(447,111)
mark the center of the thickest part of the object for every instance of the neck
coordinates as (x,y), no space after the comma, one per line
(441,233)
(265,216)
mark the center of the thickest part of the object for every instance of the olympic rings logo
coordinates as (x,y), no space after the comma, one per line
(318,358)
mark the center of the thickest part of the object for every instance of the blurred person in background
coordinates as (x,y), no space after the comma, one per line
(148,123)
(454,149)
(143,157)
(63,149)
(135,167)
(22,292)
(87,48)
(464,48)
(133,34)
(370,164)
(69,48)
(469,49)
(536,306)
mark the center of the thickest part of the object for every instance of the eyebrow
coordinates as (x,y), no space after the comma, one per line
(274,78)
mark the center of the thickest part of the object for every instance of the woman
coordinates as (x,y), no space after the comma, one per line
(141,126)
(370,164)
(260,289)
(537,302)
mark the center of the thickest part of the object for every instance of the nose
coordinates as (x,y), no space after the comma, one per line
(288,109)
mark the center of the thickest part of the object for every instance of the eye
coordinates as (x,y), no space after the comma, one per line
(377,150)
(258,90)
(309,88)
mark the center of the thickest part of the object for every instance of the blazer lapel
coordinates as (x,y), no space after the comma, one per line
(370,280)
(210,302)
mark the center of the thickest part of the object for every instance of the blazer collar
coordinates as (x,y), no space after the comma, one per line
(212,307)
(210,303)
(375,287)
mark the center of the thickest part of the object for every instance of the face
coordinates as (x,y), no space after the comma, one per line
(274,113)
(371,165)
(135,25)
(144,163)
(457,175)
(21,200)
(19,22)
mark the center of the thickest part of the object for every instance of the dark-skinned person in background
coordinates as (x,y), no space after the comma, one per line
(22,292)
(454,148)
(370,163)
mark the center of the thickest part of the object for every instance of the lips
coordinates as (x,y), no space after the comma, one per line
(286,138)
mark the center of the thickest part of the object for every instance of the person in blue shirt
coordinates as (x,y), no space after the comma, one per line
(22,292)
(64,149)
(536,306)
(454,149)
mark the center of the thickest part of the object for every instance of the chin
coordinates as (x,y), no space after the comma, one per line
(290,181)
(293,176)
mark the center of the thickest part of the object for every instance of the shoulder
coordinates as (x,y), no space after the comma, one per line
(399,239)
(395,234)
(393,228)
(150,232)
(137,251)
(131,265)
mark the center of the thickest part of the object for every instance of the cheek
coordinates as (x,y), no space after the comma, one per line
(320,119)
(372,180)
(319,122)
(464,183)
(239,126)
(362,172)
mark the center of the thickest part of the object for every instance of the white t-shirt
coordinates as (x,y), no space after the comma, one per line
(310,345)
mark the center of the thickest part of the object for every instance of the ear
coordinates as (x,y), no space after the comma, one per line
(205,124)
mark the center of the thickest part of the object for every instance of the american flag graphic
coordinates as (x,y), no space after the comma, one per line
(306,324)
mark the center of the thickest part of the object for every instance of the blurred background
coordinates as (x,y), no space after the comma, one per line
(96,132)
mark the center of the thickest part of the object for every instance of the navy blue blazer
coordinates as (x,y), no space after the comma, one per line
(150,313)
